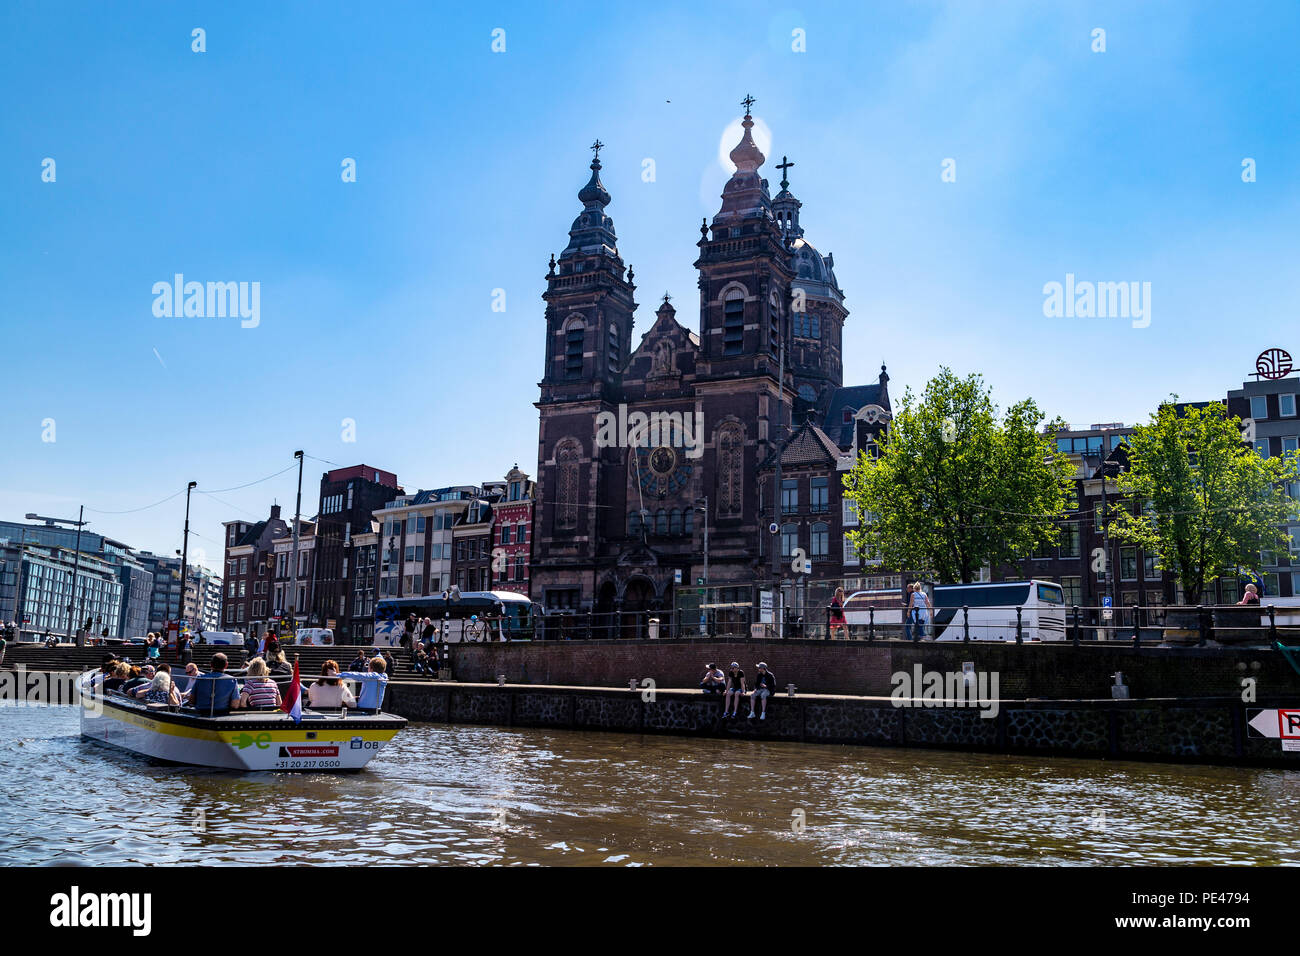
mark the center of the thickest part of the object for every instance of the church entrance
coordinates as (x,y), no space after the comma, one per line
(637,600)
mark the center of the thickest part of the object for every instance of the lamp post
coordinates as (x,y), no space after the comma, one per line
(185,556)
(705,511)
(293,578)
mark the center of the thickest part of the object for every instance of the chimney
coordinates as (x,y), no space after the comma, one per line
(275,512)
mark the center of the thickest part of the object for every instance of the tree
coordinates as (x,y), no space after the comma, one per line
(1208,502)
(956,487)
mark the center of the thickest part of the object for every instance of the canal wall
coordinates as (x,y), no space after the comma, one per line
(1188,731)
(1036,670)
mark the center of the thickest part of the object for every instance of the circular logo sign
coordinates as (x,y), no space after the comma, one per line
(1273,363)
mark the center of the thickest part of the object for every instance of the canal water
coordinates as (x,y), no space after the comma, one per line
(487,795)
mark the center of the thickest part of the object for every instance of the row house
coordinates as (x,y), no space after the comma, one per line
(472,536)
(416,538)
(348,500)
(286,604)
(249,565)
(512,534)
(364,582)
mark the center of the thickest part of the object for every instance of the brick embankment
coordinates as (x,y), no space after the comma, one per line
(1185,731)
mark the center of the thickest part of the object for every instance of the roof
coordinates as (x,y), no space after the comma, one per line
(853,398)
(808,445)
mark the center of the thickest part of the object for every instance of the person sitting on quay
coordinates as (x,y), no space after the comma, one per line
(160,690)
(764,687)
(715,682)
(1251,596)
(735,690)
(358,662)
(215,692)
(260,692)
(373,684)
(329,691)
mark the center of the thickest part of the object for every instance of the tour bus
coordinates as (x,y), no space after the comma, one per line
(991,611)
(459,616)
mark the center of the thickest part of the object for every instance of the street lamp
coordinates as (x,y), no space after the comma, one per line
(185,554)
(704,509)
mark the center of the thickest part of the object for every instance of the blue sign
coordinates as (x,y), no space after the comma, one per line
(1105,602)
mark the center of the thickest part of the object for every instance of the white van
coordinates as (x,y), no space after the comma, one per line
(221,637)
(314,636)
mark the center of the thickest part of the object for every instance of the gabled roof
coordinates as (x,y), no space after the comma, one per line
(808,445)
(853,398)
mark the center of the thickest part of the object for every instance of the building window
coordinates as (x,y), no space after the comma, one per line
(1070,541)
(849,509)
(1149,569)
(1128,564)
(850,552)
(789,539)
(613,349)
(675,521)
(573,351)
(634,524)
(661,522)
(566,509)
(819,496)
(1286,406)
(789,495)
(243,565)
(819,543)
(733,326)
(1073,591)
(1258,407)
(1272,584)
(731,469)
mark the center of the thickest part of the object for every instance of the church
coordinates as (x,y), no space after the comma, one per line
(620,527)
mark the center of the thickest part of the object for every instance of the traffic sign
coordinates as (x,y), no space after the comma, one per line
(1281,724)
(677,576)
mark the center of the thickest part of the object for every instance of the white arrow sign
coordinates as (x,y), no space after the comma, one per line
(1277,723)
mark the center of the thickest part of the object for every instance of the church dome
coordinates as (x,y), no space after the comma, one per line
(809,264)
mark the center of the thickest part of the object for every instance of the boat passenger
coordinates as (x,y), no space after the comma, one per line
(373,683)
(260,692)
(185,684)
(215,693)
(279,665)
(329,691)
(140,677)
(161,690)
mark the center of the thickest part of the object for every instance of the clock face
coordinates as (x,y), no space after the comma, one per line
(662,471)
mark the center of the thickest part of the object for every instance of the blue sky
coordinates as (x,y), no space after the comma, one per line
(376,296)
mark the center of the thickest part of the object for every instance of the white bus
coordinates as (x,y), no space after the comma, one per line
(991,609)
(463,617)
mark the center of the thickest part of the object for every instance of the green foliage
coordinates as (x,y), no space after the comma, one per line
(1210,504)
(956,486)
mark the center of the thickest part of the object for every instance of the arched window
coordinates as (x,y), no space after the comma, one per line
(689,521)
(634,524)
(574,335)
(731,468)
(675,521)
(661,522)
(733,323)
(567,453)
(816,327)
(789,539)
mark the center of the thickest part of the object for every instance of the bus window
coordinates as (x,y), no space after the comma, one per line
(1051,594)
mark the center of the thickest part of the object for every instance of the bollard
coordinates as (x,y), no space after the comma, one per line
(871,624)
(965,624)
(1272,622)
(631,683)
(1200,622)
(789,690)
(501,680)
(1075,642)
(1020,631)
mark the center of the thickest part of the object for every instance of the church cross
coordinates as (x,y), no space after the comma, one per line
(783,166)
(667,298)
(596,147)
(747,102)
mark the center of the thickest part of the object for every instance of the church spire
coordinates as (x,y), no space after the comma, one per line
(785,207)
(745,194)
(592,232)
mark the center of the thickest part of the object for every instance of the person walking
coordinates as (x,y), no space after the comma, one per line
(836,617)
(920,611)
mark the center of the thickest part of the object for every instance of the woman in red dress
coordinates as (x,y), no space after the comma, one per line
(837,615)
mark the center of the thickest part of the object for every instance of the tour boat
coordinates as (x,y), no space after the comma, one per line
(241,740)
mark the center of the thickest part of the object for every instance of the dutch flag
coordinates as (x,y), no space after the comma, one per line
(292,703)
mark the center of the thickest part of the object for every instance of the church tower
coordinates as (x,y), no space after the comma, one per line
(745,272)
(589,303)
(814,350)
